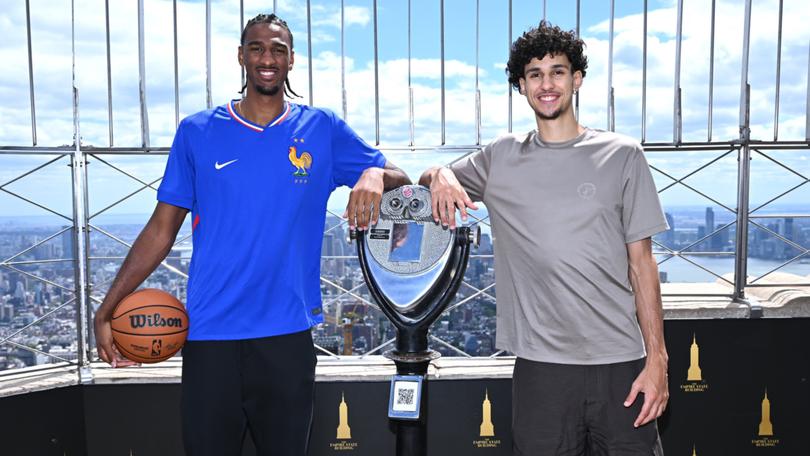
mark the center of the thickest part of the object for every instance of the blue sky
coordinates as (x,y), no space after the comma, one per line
(52,79)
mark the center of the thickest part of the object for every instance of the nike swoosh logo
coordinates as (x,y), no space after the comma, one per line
(218,166)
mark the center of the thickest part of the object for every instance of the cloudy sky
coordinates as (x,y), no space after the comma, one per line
(52,63)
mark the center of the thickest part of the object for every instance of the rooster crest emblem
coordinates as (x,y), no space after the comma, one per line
(302,163)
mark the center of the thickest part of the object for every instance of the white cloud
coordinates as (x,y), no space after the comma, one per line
(52,63)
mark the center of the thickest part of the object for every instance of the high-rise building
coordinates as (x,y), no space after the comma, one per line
(709,220)
(669,235)
(719,240)
(328,245)
(788,231)
(67,243)
(485,246)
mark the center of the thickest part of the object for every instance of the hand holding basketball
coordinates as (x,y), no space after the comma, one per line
(149,326)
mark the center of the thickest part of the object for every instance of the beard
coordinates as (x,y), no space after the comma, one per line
(269,91)
(554,114)
(551,116)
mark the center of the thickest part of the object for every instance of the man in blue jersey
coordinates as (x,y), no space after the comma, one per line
(256,175)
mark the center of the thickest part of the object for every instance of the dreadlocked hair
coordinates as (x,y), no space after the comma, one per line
(270,19)
(541,41)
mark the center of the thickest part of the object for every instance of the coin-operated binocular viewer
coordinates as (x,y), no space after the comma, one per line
(413,268)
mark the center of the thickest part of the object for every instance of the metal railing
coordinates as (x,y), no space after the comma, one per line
(84,291)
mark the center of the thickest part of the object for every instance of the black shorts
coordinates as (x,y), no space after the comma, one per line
(263,385)
(560,409)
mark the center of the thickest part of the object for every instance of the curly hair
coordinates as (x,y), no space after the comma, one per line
(269,19)
(541,41)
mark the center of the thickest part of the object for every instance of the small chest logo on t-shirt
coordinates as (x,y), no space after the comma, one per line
(301,161)
(586,190)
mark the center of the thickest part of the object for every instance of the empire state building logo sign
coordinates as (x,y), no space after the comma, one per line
(487,429)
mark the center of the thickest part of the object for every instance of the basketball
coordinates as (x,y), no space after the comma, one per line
(149,326)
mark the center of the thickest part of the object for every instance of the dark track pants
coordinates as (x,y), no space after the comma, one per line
(262,385)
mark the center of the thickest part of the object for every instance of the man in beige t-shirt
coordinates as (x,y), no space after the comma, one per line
(572,211)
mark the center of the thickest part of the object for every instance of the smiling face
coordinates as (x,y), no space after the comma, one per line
(267,56)
(549,86)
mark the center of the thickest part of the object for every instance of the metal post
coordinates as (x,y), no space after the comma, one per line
(676,107)
(309,49)
(644,79)
(31,75)
(376,81)
(142,79)
(208,102)
(610,117)
(441,47)
(477,90)
(509,86)
(576,94)
(109,71)
(176,70)
(410,88)
(343,102)
(611,111)
(711,75)
(743,181)
(743,168)
(88,318)
(241,27)
(744,70)
(778,75)
(79,221)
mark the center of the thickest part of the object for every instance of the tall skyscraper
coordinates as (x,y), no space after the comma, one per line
(709,220)
(669,235)
(788,232)
(67,243)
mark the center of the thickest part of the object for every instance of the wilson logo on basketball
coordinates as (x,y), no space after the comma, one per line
(154,321)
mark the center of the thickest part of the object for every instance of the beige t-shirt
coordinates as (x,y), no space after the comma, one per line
(562,214)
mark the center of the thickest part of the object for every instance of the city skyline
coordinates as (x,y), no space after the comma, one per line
(469,328)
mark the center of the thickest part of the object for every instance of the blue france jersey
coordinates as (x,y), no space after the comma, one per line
(258,200)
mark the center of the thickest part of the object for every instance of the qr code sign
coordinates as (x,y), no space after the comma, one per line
(405,396)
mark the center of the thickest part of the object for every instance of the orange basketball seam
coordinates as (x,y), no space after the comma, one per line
(150,335)
(151,305)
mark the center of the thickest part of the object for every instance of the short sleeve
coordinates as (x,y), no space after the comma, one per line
(350,154)
(177,186)
(472,172)
(642,215)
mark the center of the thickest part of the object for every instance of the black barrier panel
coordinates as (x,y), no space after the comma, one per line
(133,419)
(464,417)
(350,419)
(738,387)
(719,374)
(474,416)
(46,423)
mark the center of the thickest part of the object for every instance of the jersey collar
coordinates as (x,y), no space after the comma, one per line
(235,115)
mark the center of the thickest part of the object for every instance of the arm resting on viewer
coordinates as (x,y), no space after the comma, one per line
(652,381)
(447,194)
(149,249)
(367,193)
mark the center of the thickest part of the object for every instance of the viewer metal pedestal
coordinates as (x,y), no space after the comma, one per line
(413,268)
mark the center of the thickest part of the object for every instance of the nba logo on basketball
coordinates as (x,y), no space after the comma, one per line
(156,344)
